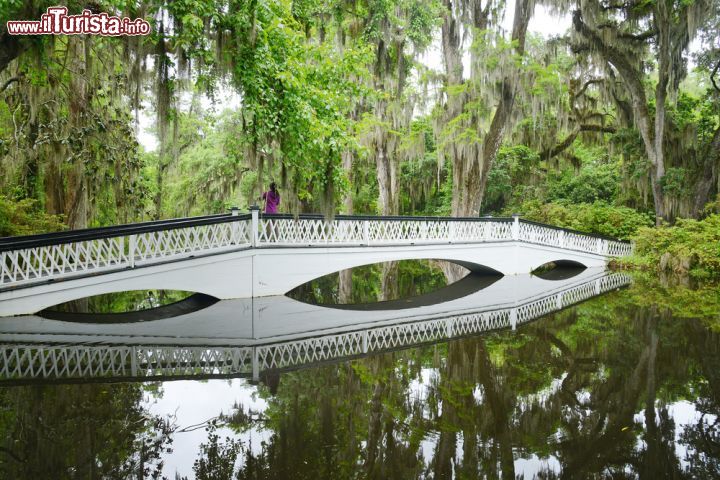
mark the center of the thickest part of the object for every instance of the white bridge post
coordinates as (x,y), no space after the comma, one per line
(133,362)
(234,227)
(255,214)
(131,250)
(516,227)
(255,365)
(366,232)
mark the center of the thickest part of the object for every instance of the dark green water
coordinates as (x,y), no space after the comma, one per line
(624,385)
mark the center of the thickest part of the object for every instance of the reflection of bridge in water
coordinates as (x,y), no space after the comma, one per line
(250,336)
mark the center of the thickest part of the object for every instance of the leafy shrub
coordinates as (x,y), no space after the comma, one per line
(592,183)
(690,246)
(22,218)
(599,217)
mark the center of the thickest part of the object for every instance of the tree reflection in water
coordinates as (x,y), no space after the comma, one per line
(594,388)
(625,385)
(80,431)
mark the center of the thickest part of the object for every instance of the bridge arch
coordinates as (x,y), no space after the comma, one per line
(559,262)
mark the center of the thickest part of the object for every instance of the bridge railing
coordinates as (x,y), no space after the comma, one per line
(314,230)
(359,230)
(533,232)
(39,258)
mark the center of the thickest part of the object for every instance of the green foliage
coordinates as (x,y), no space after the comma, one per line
(676,182)
(594,182)
(22,217)
(671,293)
(508,176)
(599,217)
(690,246)
(295,97)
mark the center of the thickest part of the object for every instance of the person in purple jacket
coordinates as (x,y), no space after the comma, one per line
(272,199)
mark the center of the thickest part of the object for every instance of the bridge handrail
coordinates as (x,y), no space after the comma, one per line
(96,233)
(576,232)
(69,236)
(418,218)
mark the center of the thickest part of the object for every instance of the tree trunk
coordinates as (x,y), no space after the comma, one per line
(494,137)
(709,176)
(76,198)
(632,76)
(471,165)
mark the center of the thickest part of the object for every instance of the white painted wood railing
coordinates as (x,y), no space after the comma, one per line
(28,260)
(36,361)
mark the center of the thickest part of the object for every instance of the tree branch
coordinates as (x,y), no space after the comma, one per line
(585,86)
(640,37)
(597,128)
(9,82)
(568,141)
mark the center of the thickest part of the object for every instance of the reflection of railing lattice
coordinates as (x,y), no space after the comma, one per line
(87,361)
(19,362)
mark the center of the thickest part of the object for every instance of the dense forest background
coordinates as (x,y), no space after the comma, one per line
(388,107)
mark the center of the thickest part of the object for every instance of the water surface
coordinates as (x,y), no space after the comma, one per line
(623,385)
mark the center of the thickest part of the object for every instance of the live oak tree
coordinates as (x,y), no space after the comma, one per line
(621,33)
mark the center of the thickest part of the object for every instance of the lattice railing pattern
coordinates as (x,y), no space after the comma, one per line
(314,231)
(33,264)
(165,244)
(91,361)
(169,361)
(302,231)
(311,350)
(85,361)
(543,235)
(38,264)
(301,352)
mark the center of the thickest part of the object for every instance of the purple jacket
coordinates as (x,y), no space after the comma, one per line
(272,200)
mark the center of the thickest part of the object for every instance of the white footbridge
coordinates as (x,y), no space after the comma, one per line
(248,337)
(243,256)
